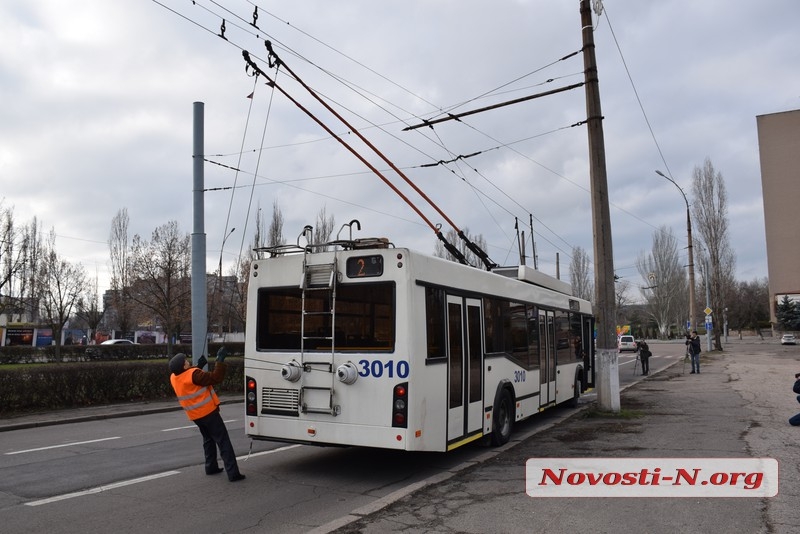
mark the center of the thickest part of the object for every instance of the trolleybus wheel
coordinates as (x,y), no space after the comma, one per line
(573,402)
(502,418)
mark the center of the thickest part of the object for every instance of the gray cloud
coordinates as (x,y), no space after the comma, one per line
(98,105)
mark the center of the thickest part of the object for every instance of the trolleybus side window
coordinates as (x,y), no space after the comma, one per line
(576,335)
(534,343)
(563,352)
(364,318)
(507,327)
(434,323)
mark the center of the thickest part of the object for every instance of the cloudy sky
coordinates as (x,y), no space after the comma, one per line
(96,105)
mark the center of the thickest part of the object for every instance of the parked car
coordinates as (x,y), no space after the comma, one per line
(788,339)
(118,342)
(626,343)
(93,351)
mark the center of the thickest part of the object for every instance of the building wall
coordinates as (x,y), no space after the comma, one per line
(779,150)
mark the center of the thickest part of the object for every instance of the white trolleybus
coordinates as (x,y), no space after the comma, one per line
(360,343)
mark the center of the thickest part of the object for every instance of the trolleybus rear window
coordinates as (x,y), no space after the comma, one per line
(363,318)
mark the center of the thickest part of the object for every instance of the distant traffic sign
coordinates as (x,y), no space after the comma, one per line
(707,310)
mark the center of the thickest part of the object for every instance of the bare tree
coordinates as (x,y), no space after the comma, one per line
(123,316)
(61,283)
(324,227)
(710,211)
(749,307)
(13,252)
(664,285)
(87,308)
(272,237)
(452,237)
(29,282)
(580,276)
(621,295)
(275,232)
(160,278)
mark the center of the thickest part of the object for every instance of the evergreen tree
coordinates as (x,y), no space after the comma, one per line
(787,314)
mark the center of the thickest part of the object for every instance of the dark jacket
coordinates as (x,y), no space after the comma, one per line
(694,345)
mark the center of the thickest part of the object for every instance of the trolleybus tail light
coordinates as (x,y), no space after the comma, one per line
(400,405)
(251,399)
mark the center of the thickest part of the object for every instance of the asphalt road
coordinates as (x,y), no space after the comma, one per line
(144,473)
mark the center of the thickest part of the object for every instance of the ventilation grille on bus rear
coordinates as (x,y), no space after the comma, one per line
(280,401)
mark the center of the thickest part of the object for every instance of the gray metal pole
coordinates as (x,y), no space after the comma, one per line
(199,303)
(708,306)
(692,323)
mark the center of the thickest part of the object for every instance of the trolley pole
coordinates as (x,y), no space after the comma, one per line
(606,361)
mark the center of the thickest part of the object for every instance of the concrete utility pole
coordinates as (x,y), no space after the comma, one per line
(199,304)
(606,356)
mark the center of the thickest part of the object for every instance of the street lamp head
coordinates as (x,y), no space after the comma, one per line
(686,200)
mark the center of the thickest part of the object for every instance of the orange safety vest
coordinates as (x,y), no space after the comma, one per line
(197,401)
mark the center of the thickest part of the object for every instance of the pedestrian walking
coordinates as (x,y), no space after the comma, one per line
(693,342)
(195,391)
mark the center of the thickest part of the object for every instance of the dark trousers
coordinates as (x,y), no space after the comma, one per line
(695,362)
(795,421)
(645,364)
(216,435)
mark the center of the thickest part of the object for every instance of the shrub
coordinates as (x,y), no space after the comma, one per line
(45,387)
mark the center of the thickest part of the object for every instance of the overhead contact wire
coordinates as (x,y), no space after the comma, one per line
(361,158)
(363,139)
(472,246)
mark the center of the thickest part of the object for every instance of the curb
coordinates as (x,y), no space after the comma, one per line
(109,414)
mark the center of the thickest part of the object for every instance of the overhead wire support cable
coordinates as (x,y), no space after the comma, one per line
(366,141)
(480,253)
(361,158)
(274,60)
(458,116)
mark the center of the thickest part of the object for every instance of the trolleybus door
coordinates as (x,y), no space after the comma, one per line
(547,357)
(464,366)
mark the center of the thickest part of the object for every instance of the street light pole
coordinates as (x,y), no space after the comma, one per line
(692,324)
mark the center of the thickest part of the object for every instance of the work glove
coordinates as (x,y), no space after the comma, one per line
(202,362)
(222,353)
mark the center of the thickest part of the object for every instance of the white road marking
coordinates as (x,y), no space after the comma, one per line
(178,428)
(115,485)
(100,489)
(193,426)
(62,445)
(264,453)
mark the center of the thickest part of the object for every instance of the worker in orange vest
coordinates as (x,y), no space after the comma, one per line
(193,386)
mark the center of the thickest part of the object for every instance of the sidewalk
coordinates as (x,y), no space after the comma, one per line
(737,407)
